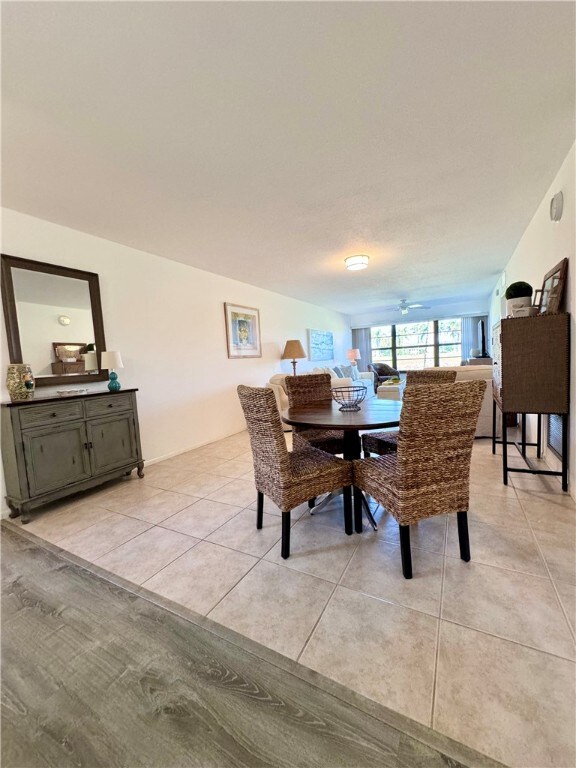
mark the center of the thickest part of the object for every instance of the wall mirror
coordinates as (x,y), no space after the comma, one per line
(53,320)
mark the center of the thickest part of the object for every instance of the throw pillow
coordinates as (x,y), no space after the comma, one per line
(346,371)
(338,372)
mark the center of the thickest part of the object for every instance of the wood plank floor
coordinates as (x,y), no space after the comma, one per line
(95,675)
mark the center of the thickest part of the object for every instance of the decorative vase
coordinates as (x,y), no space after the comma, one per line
(20,381)
(514,304)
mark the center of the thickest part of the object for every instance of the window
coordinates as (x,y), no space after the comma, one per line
(413,346)
(382,344)
(449,342)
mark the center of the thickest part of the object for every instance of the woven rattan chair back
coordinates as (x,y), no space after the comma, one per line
(311,388)
(429,376)
(269,451)
(435,440)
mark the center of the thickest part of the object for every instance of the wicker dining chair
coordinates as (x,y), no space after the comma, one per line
(313,388)
(430,472)
(288,478)
(386,442)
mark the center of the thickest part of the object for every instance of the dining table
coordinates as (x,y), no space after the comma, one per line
(372,414)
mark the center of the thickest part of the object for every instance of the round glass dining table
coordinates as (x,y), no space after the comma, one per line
(373,414)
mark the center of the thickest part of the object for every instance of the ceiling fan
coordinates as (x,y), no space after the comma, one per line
(403,307)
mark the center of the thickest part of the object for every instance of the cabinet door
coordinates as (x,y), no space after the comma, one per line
(55,456)
(112,442)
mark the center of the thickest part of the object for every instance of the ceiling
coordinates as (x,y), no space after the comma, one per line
(267,141)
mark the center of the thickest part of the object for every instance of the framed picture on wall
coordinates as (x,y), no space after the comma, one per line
(553,289)
(320,345)
(242,331)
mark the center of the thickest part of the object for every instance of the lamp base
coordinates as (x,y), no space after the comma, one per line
(113,383)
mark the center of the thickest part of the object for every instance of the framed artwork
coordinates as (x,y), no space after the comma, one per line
(320,345)
(553,288)
(242,331)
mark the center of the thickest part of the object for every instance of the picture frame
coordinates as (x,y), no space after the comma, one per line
(242,331)
(320,345)
(553,289)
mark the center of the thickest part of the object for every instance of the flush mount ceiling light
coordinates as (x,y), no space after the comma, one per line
(356,262)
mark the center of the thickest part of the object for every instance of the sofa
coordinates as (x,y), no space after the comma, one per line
(475,372)
(276,384)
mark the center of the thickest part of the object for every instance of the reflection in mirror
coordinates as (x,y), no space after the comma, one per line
(55,321)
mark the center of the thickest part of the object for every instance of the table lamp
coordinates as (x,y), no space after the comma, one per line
(293,351)
(111,361)
(353,355)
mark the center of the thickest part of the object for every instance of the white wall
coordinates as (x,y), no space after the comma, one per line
(39,329)
(167,320)
(542,246)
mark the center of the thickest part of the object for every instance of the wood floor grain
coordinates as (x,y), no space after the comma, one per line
(94,675)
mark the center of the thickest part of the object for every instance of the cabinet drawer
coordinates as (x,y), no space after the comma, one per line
(35,415)
(101,405)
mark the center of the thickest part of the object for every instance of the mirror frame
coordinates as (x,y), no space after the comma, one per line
(11,317)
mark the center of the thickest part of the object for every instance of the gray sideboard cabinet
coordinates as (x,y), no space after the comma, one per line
(53,446)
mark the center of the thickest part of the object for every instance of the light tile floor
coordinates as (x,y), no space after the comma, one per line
(483,652)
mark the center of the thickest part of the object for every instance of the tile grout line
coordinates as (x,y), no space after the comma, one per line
(567,620)
(437,654)
(336,585)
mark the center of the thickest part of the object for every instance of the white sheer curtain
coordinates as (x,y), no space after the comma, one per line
(470,334)
(361,340)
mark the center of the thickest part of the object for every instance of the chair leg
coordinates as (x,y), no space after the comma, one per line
(312,502)
(366,454)
(405,551)
(285,535)
(259,509)
(347,493)
(463,538)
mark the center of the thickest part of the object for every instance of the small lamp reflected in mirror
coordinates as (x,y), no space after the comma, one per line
(112,361)
(90,362)
(293,351)
(353,355)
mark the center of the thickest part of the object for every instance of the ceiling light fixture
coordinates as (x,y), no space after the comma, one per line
(356,262)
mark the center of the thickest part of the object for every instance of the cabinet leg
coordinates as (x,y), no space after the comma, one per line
(14,511)
(140,469)
(504,449)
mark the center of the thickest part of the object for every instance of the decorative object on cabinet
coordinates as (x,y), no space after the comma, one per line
(553,288)
(293,350)
(518,295)
(49,285)
(111,361)
(242,331)
(517,343)
(20,382)
(320,345)
(51,449)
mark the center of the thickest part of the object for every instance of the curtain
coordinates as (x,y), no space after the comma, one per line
(470,334)
(361,340)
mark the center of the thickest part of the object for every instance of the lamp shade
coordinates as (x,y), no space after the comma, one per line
(90,361)
(111,361)
(353,354)
(293,350)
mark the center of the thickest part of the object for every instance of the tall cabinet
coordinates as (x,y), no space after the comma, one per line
(53,447)
(532,376)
